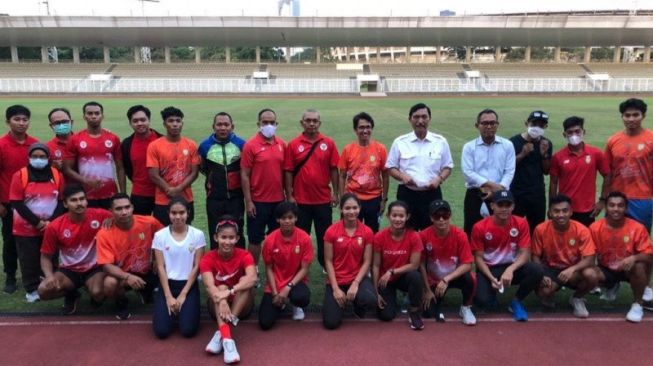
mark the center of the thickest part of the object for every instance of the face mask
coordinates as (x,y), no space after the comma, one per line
(38,163)
(574,140)
(62,128)
(535,132)
(268,130)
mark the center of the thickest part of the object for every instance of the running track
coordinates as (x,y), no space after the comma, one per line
(496,340)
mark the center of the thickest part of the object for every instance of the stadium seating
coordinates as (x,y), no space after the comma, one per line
(448,70)
(309,71)
(60,70)
(530,70)
(185,70)
(630,70)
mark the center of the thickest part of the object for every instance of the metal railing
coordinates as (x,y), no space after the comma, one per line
(326,86)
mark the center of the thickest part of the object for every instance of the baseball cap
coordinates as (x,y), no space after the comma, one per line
(538,116)
(438,205)
(503,195)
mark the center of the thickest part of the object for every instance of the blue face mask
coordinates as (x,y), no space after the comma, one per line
(62,128)
(38,163)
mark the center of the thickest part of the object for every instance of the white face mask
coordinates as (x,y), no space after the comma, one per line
(535,132)
(575,140)
(38,163)
(268,130)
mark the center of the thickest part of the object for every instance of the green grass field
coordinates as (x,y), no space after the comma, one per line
(452,117)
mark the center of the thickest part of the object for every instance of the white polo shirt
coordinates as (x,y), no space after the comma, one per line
(423,159)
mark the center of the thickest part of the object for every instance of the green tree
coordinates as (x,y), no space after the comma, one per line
(91,53)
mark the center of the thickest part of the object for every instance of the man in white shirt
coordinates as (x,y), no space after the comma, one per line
(421,161)
(488,164)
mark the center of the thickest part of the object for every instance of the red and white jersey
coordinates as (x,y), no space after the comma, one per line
(500,244)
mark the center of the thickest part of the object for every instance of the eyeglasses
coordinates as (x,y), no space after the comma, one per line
(441,216)
(63,121)
(488,123)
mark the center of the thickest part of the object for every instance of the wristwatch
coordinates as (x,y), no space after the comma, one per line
(290,285)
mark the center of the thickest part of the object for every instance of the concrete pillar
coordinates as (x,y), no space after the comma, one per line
(76,55)
(527,54)
(258,54)
(438,54)
(617,54)
(14,54)
(647,54)
(378,55)
(497,54)
(422,54)
(356,49)
(392,54)
(556,54)
(468,54)
(137,55)
(408,53)
(318,54)
(367,55)
(107,54)
(587,58)
(44,54)
(288,55)
(198,55)
(227,55)
(166,54)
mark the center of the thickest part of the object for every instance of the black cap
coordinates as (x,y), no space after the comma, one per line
(538,116)
(438,205)
(503,195)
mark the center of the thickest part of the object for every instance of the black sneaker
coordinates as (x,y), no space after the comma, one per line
(70,302)
(439,316)
(415,320)
(647,305)
(122,305)
(10,286)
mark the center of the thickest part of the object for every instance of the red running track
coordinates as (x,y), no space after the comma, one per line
(559,340)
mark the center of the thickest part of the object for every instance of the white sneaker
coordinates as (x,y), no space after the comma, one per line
(648,294)
(230,352)
(298,313)
(215,344)
(635,314)
(580,311)
(32,297)
(610,294)
(467,315)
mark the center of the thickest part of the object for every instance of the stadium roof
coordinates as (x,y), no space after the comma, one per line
(512,30)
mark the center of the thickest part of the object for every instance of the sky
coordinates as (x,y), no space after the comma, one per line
(308,7)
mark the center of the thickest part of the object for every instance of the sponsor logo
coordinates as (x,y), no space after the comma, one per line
(588,159)
(141,236)
(296,249)
(372,158)
(572,242)
(300,148)
(360,241)
(57,153)
(488,236)
(340,239)
(640,147)
(66,234)
(566,161)
(429,247)
(225,277)
(626,239)
(185,152)
(280,148)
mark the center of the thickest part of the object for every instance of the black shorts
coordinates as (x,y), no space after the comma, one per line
(553,273)
(612,277)
(79,278)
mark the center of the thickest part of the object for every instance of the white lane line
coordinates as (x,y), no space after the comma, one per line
(310,320)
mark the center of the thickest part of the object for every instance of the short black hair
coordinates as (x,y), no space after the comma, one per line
(231,120)
(119,196)
(72,189)
(618,194)
(486,111)
(398,203)
(94,104)
(573,121)
(171,112)
(284,208)
(59,109)
(265,110)
(178,200)
(559,198)
(16,110)
(633,103)
(138,108)
(365,116)
(418,106)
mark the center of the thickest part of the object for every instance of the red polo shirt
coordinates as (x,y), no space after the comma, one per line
(57,149)
(286,256)
(395,254)
(141,183)
(348,251)
(576,174)
(265,161)
(311,184)
(13,156)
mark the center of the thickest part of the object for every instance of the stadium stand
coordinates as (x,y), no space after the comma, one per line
(417,70)
(630,70)
(185,70)
(60,70)
(309,71)
(532,70)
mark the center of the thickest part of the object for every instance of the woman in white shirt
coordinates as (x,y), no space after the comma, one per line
(178,249)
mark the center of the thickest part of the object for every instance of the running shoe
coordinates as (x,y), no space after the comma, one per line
(32,297)
(122,305)
(70,302)
(610,294)
(415,320)
(648,294)
(518,311)
(215,344)
(230,352)
(647,305)
(10,286)
(467,315)
(578,304)
(635,314)
(298,313)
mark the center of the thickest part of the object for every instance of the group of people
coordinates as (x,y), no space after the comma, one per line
(68,221)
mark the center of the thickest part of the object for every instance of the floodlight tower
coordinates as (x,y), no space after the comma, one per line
(293,7)
(146,53)
(53,53)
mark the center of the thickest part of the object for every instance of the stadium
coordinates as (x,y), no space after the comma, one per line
(565,63)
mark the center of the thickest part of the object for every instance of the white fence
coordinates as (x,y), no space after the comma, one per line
(326,86)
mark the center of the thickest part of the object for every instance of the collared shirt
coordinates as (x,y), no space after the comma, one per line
(482,162)
(423,159)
